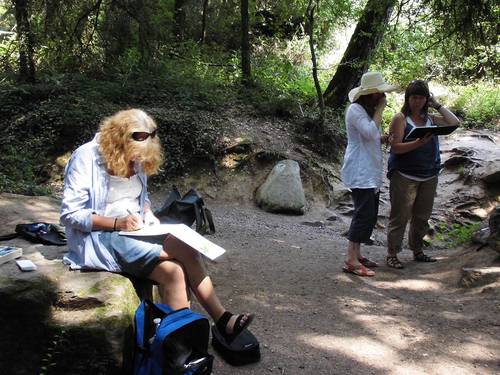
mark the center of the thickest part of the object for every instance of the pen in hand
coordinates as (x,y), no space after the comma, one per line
(132,214)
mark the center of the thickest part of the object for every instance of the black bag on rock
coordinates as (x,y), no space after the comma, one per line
(242,350)
(187,209)
(44,233)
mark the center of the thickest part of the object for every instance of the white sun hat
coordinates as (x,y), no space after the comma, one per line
(371,82)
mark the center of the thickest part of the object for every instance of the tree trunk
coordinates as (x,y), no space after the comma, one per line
(204,22)
(117,34)
(245,43)
(179,18)
(310,31)
(362,46)
(147,32)
(26,43)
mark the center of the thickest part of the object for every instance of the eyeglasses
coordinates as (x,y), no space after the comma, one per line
(142,136)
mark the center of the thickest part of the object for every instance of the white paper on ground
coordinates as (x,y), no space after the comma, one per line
(182,232)
(26,265)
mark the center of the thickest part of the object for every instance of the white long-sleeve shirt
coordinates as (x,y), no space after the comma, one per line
(363,159)
(86,187)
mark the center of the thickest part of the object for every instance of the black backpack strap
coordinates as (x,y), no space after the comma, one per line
(199,219)
(209,220)
(9,236)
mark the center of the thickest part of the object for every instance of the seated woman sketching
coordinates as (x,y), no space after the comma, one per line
(105,191)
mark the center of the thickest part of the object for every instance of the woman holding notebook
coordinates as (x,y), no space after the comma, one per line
(105,191)
(413,171)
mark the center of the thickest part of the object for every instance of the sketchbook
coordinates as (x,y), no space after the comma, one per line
(421,131)
(182,232)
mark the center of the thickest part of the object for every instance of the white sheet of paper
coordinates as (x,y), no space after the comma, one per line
(185,234)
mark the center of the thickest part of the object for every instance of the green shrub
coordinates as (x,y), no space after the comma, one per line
(479,105)
(456,234)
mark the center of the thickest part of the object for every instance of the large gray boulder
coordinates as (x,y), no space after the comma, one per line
(282,191)
(489,172)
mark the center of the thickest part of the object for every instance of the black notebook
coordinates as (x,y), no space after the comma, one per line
(419,132)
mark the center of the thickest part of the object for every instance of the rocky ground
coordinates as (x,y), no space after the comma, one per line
(311,318)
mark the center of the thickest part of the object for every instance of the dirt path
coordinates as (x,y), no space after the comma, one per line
(314,319)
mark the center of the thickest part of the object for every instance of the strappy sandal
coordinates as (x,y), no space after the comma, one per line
(367,262)
(393,262)
(238,326)
(359,270)
(421,257)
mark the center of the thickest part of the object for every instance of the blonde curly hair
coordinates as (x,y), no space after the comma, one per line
(119,149)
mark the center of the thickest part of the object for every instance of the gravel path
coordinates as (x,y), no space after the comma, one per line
(314,319)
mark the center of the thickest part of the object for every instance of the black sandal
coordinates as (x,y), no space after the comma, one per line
(393,262)
(238,326)
(421,257)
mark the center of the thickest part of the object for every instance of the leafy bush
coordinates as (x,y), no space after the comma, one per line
(479,105)
(456,234)
(281,85)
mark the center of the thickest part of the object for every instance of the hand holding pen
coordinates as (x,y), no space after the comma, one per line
(132,222)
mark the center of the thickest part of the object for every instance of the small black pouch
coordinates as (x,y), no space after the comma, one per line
(44,233)
(244,349)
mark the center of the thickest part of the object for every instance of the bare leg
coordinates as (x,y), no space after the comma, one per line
(197,277)
(172,274)
(353,253)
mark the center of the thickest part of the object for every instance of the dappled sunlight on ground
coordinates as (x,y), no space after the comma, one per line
(359,348)
(410,284)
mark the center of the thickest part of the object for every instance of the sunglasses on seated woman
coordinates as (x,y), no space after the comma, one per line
(142,136)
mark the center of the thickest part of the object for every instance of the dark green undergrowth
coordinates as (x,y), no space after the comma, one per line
(44,121)
(49,119)
(186,94)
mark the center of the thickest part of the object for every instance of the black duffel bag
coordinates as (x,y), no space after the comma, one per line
(187,210)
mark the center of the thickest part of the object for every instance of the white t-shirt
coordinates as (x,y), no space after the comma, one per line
(123,195)
(363,159)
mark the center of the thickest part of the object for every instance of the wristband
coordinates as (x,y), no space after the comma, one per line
(114,225)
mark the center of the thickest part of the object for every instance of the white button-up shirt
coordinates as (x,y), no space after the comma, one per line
(86,184)
(363,159)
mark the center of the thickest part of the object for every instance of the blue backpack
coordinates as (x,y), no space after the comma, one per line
(170,342)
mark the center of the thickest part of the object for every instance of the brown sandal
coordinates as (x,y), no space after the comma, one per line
(367,262)
(393,262)
(359,270)
(421,257)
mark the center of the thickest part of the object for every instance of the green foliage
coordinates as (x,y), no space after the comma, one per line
(399,56)
(479,105)
(456,234)
(44,121)
(282,86)
(187,137)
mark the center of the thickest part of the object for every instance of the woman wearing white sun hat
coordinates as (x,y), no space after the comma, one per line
(363,165)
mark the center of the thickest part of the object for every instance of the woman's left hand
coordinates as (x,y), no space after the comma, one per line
(432,102)
(150,218)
